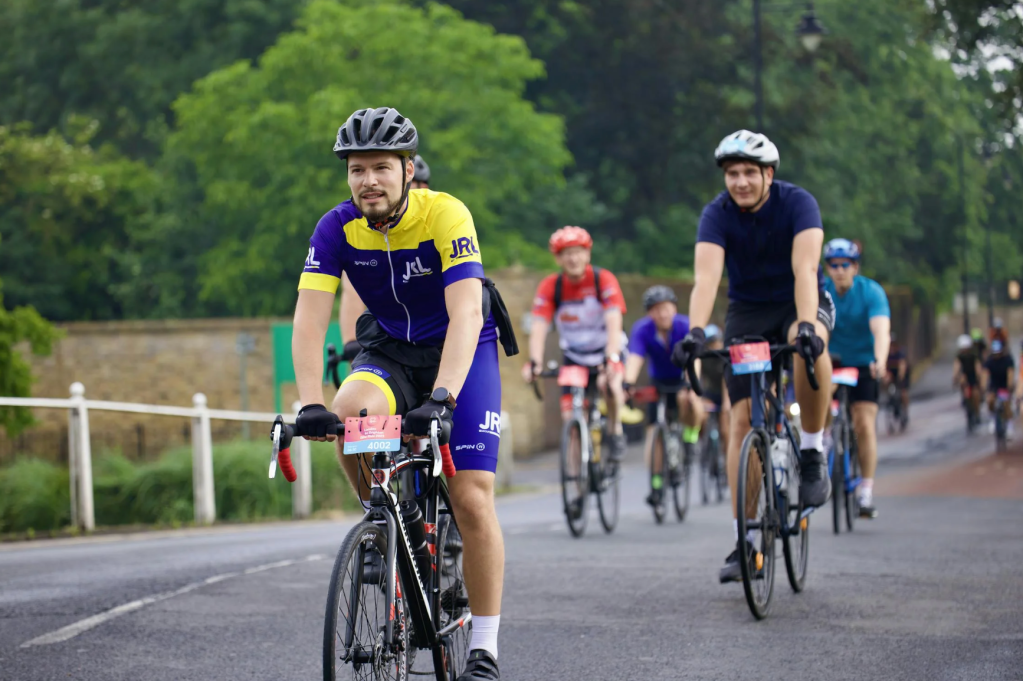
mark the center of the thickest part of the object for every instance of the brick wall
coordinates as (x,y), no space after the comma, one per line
(167,362)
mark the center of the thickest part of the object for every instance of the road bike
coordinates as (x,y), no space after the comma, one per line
(713,478)
(971,405)
(670,458)
(583,468)
(1001,405)
(396,587)
(895,416)
(843,458)
(767,493)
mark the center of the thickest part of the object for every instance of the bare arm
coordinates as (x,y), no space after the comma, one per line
(633,363)
(464,301)
(881,328)
(806,256)
(312,317)
(710,264)
(538,339)
(613,323)
(351,307)
(957,370)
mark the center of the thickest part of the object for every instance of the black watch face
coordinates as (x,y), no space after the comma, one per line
(440,395)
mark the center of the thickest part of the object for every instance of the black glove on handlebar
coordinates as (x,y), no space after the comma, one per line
(314,420)
(351,350)
(689,348)
(417,421)
(808,343)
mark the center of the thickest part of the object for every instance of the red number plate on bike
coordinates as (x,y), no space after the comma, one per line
(849,376)
(370,434)
(574,376)
(750,358)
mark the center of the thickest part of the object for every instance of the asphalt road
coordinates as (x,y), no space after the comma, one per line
(933,589)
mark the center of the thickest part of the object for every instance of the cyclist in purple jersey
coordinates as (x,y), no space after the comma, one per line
(769,235)
(652,338)
(427,343)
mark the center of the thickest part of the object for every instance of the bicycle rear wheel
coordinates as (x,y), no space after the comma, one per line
(756,505)
(575,478)
(852,503)
(658,452)
(453,599)
(357,613)
(678,476)
(837,477)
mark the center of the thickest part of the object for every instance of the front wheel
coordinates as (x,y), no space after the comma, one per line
(837,484)
(658,465)
(796,548)
(757,512)
(355,625)
(852,503)
(678,476)
(575,478)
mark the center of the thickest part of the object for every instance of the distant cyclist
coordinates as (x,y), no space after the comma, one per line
(1000,374)
(966,373)
(421,177)
(769,234)
(898,372)
(861,339)
(979,343)
(653,337)
(998,332)
(586,305)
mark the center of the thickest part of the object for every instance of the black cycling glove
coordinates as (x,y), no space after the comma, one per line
(809,345)
(315,421)
(417,421)
(689,348)
(351,350)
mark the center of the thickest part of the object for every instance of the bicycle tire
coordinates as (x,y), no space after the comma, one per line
(707,477)
(755,450)
(575,489)
(609,495)
(660,440)
(348,589)
(852,504)
(796,548)
(454,599)
(680,483)
(837,477)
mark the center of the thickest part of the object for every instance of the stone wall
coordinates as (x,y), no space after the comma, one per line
(167,362)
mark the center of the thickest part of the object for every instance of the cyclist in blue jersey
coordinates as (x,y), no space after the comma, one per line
(769,234)
(653,338)
(861,339)
(428,338)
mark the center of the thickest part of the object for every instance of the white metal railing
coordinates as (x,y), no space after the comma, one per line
(80,449)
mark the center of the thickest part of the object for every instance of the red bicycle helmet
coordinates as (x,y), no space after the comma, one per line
(569,236)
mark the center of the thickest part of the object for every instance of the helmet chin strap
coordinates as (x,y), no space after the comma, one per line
(395,217)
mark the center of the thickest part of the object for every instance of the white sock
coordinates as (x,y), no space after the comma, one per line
(750,534)
(811,440)
(484,633)
(867,483)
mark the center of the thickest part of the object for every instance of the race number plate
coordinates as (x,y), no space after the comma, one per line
(371,434)
(750,358)
(574,376)
(849,376)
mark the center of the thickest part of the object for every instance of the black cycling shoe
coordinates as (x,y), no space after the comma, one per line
(732,571)
(616,448)
(575,509)
(655,498)
(868,512)
(814,481)
(482,666)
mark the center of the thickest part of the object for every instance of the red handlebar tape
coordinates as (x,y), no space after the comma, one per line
(446,461)
(284,461)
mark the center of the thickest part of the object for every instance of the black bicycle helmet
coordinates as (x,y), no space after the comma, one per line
(422,173)
(382,129)
(658,294)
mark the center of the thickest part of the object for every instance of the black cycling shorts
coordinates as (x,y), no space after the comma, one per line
(770,321)
(671,390)
(867,388)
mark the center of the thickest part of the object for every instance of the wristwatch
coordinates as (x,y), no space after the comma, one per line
(614,357)
(442,395)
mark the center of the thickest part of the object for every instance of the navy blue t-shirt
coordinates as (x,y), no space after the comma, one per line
(758,246)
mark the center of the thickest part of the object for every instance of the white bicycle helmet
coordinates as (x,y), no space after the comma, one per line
(964,342)
(747,146)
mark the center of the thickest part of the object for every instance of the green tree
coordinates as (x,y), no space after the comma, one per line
(122,62)
(66,213)
(257,139)
(16,326)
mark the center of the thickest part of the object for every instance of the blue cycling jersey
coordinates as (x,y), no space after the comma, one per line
(758,246)
(647,342)
(852,339)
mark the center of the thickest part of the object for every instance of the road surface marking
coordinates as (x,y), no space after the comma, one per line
(72,630)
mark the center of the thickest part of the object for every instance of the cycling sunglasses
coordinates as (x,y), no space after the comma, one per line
(840,265)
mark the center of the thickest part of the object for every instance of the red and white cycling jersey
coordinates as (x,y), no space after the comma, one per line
(580,318)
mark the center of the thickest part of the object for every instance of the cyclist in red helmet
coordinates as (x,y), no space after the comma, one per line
(586,305)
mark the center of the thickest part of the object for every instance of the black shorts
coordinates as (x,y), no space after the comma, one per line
(410,386)
(771,321)
(671,390)
(867,388)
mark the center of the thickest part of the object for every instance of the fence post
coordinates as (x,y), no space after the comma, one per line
(302,493)
(202,463)
(505,454)
(80,461)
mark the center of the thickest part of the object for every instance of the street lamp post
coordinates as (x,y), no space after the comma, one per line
(809,30)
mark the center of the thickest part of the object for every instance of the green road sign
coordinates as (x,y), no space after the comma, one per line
(284,366)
